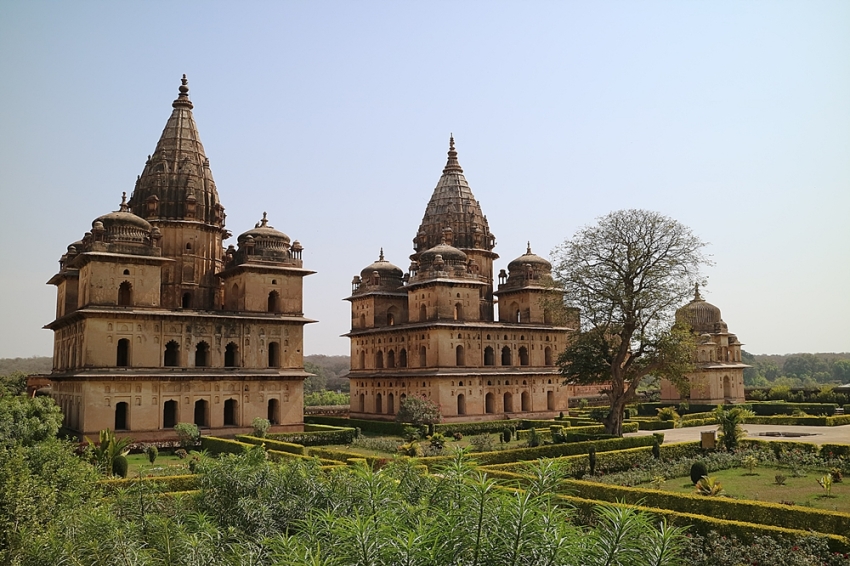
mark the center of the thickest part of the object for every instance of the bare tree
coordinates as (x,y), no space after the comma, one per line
(628,274)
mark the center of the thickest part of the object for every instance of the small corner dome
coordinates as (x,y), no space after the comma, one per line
(384,268)
(530,258)
(262,233)
(121,218)
(699,313)
(450,255)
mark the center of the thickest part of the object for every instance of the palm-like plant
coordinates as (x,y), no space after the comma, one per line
(709,486)
(729,424)
(107,450)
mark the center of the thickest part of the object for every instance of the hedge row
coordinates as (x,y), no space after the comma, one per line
(548,451)
(697,416)
(322,428)
(799,421)
(576,430)
(278,456)
(343,456)
(768,409)
(824,450)
(763,513)
(698,422)
(651,408)
(223,445)
(272,444)
(480,427)
(338,435)
(655,425)
(391,428)
(164,483)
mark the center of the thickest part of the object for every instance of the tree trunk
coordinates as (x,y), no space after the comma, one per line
(614,421)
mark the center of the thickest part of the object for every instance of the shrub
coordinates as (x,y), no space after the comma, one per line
(188,435)
(457,436)
(779,479)
(216,445)
(729,422)
(261,426)
(709,487)
(668,414)
(377,427)
(598,414)
(591,459)
(698,470)
(273,444)
(656,450)
(534,439)
(482,442)
(120,466)
(418,411)
(506,435)
(336,435)
(152,452)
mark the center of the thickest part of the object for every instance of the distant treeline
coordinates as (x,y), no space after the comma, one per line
(35,364)
(796,370)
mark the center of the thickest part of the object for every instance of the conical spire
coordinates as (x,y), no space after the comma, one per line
(176,183)
(453,207)
(697,296)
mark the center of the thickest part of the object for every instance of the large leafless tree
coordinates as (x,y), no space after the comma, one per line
(628,273)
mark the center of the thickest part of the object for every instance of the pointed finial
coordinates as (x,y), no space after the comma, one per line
(528,250)
(451,142)
(452,164)
(697,296)
(381,255)
(264,222)
(183,98)
(124,207)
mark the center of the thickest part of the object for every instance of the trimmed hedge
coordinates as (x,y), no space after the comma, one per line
(834,450)
(338,435)
(759,512)
(390,428)
(698,422)
(167,484)
(799,421)
(770,408)
(576,431)
(697,416)
(655,425)
(780,444)
(480,427)
(649,409)
(343,456)
(272,444)
(322,428)
(223,445)
(278,456)
(548,451)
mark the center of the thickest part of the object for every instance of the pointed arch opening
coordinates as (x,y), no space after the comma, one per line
(423,313)
(525,402)
(273,305)
(423,357)
(122,410)
(391,359)
(379,360)
(402,358)
(547,356)
(550,400)
(379,404)
(523,356)
(461,404)
(230,414)
(125,294)
(231,355)
(391,316)
(274,355)
(273,411)
(202,355)
(362,364)
(489,356)
(202,413)
(186,301)
(390,404)
(123,353)
(489,403)
(172,354)
(509,403)
(460,359)
(506,356)
(362,403)
(458,311)
(169,414)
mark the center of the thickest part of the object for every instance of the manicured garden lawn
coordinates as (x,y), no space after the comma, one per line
(165,465)
(761,486)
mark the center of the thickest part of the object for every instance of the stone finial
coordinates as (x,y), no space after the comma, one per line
(697,296)
(124,207)
(381,255)
(452,164)
(265,221)
(183,98)
(528,249)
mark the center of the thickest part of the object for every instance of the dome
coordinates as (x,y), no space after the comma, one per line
(450,255)
(384,268)
(122,225)
(700,314)
(265,236)
(534,260)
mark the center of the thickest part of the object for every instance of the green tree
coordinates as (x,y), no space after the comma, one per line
(628,274)
(25,420)
(730,425)
(418,411)
(841,370)
(13,384)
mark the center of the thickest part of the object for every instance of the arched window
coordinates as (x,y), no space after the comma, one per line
(489,356)
(489,403)
(458,315)
(274,355)
(379,404)
(273,411)
(515,312)
(121,410)
(391,359)
(525,400)
(362,404)
(125,294)
(233,298)
(169,414)
(123,354)
(550,400)
(274,302)
(172,354)
(523,356)
(402,358)
(423,357)
(202,413)
(390,404)
(202,355)
(230,413)
(362,359)
(727,387)
(231,355)
(547,356)
(547,316)
(362,321)
(186,302)
(506,356)
(391,312)
(461,404)
(459,356)
(379,360)
(423,313)
(509,403)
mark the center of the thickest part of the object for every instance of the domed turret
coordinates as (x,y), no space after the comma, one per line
(383,268)
(122,226)
(449,254)
(700,314)
(264,243)
(538,263)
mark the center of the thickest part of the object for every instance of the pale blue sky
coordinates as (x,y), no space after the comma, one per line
(731,117)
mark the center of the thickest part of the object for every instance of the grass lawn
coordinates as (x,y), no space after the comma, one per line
(166,465)
(761,486)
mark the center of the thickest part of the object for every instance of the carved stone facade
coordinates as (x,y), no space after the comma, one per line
(432,331)
(156,323)
(719,374)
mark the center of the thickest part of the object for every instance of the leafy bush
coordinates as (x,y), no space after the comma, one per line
(378,427)
(338,435)
(474,427)
(120,466)
(188,435)
(709,487)
(482,442)
(698,471)
(729,423)
(378,444)
(273,444)
(418,411)
(326,398)
(668,414)
(261,426)
(152,452)
(217,445)
(27,421)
